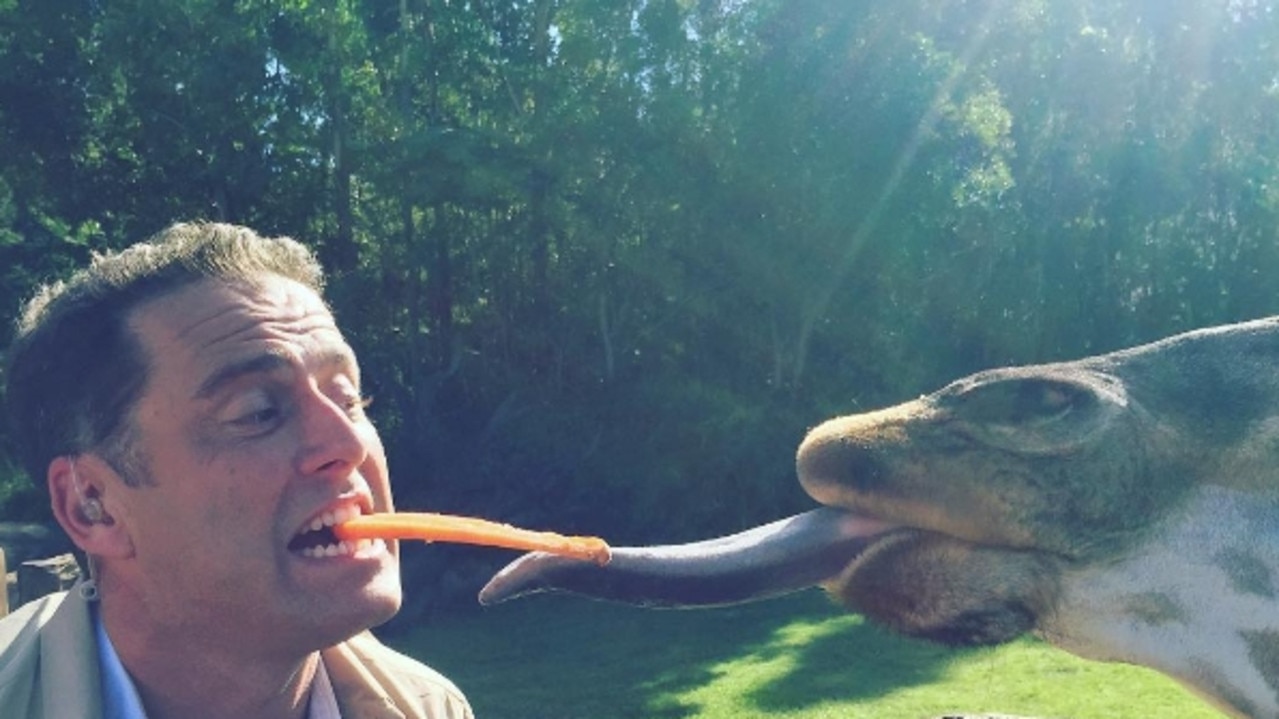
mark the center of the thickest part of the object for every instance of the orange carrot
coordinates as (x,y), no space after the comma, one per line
(469,530)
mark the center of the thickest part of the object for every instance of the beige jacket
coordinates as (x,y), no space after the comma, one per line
(49,670)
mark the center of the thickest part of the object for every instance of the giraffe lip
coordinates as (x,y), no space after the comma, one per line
(784,556)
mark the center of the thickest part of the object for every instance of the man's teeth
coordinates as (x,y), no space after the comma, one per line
(339,548)
(343,548)
(328,519)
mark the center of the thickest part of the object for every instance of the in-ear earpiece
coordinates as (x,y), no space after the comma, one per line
(91,506)
(92,510)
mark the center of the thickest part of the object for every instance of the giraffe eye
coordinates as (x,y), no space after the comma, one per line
(1047,399)
(1022,401)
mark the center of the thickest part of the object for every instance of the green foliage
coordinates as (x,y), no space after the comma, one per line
(20,499)
(605,262)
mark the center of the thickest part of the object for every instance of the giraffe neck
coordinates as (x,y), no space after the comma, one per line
(1198,600)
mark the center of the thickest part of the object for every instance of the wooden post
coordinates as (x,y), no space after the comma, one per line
(4,596)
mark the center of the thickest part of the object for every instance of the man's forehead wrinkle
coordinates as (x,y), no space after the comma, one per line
(224,332)
(192,327)
(243,315)
(251,327)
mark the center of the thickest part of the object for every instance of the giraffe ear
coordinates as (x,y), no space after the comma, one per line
(80,491)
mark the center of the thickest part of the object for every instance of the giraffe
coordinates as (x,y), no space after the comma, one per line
(1123,507)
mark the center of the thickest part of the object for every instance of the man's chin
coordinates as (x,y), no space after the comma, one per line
(387,605)
(350,602)
(384,596)
(338,622)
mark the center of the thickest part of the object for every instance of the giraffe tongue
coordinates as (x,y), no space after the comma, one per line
(774,559)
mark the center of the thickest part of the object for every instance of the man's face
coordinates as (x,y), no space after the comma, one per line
(252,428)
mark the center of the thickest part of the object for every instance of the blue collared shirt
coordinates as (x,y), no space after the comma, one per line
(120,698)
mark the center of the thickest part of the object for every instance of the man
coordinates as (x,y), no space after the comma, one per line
(197,416)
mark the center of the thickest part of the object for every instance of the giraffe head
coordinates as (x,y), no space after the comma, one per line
(1124,507)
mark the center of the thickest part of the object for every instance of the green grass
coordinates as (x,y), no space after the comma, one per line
(799,658)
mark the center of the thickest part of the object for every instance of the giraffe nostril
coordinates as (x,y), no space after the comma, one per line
(830,469)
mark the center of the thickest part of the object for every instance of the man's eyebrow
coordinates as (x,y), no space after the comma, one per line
(342,357)
(226,375)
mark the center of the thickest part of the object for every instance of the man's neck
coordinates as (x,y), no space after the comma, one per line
(180,677)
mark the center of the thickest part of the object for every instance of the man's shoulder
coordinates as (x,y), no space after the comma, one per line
(405,668)
(397,675)
(20,649)
(19,629)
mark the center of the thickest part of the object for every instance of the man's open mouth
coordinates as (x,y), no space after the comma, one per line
(317,541)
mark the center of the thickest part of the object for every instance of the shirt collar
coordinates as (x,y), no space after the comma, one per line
(120,698)
(324,702)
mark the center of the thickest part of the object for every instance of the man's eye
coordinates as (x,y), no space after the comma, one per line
(356,404)
(259,417)
(257,413)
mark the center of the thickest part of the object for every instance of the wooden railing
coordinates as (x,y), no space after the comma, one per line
(35,578)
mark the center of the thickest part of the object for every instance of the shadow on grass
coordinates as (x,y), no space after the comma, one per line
(850,660)
(571,658)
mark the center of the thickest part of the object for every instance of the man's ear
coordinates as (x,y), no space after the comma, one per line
(79,488)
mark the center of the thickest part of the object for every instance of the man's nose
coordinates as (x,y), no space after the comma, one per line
(332,439)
